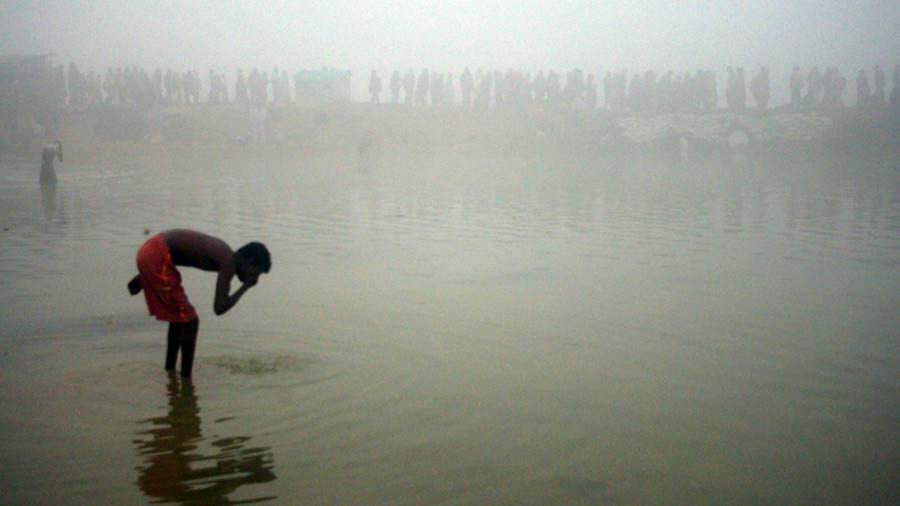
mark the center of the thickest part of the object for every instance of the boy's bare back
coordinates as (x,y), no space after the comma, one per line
(196,249)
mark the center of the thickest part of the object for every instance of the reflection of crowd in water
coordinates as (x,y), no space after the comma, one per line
(645,92)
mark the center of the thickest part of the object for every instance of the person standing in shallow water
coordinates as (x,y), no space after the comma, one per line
(48,153)
(166,299)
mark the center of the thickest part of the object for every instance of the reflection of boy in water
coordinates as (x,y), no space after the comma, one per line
(50,151)
(174,438)
(175,469)
(161,282)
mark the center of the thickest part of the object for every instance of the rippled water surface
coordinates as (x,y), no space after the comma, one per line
(460,330)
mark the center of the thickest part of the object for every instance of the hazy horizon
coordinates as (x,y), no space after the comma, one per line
(448,36)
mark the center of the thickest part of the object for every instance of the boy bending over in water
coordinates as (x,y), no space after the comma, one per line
(161,282)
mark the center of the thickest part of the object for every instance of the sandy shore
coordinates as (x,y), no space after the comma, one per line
(117,132)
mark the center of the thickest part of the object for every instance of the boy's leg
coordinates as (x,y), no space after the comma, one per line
(172,345)
(188,340)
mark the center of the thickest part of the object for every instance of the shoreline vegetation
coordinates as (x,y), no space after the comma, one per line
(98,130)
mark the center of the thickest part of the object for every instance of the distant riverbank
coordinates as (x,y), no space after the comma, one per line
(105,130)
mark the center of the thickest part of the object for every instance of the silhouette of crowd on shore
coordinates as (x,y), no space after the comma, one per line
(33,91)
(32,97)
(637,92)
(133,85)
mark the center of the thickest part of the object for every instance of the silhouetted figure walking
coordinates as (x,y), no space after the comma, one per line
(449,91)
(591,92)
(833,85)
(436,88)
(863,91)
(422,89)
(895,91)
(796,83)
(375,88)
(466,85)
(240,89)
(880,83)
(741,89)
(814,87)
(409,83)
(760,87)
(730,87)
(395,88)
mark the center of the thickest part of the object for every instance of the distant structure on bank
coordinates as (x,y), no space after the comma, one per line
(316,87)
(31,93)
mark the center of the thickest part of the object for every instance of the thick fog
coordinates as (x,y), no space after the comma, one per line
(604,252)
(525,35)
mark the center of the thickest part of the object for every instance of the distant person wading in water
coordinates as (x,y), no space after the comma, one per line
(50,151)
(161,282)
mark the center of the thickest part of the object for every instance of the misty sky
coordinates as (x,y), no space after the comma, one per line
(523,34)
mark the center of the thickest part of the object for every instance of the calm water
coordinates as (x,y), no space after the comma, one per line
(461,330)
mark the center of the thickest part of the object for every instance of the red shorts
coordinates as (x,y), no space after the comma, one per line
(161,283)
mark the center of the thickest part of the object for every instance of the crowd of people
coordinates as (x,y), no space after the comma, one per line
(637,92)
(827,89)
(645,92)
(31,98)
(133,85)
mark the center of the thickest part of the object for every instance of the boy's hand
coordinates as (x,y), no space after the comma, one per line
(250,281)
(134,286)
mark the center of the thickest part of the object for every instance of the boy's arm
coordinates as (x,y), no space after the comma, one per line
(224,301)
(134,286)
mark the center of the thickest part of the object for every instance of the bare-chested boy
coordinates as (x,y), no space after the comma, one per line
(161,282)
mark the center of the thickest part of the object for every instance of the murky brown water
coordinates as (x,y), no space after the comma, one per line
(461,330)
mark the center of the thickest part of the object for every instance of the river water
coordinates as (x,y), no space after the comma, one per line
(460,329)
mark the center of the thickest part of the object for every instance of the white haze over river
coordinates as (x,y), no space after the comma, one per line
(448,329)
(455,315)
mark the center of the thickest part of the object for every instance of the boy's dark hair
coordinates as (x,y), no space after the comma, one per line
(257,254)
